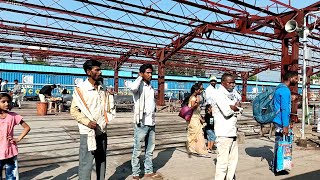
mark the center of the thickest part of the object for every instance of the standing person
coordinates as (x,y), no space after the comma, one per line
(282,103)
(225,108)
(179,95)
(8,144)
(209,128)
(45,92)
(202,94)
(17,94)
(89,109)
(4,86)
(1,81)
(144,122)
(210,90)
(195,138)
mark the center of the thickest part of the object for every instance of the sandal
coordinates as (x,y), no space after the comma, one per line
(153,176)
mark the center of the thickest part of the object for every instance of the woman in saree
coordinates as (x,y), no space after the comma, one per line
(195,139)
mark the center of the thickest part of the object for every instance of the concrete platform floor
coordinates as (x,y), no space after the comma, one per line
(50,151)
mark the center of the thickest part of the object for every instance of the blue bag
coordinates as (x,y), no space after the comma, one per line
(262,106)
(284,154)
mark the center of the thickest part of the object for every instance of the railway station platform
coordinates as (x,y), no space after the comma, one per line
(50,151)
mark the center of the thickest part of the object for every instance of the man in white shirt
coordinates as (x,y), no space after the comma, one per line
(17,93)
(210,90)
(226,108)
(4,86)
(144,122)
(88,107)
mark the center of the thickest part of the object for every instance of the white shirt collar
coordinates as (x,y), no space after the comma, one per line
(88,86)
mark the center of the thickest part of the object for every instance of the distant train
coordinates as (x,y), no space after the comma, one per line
(33,77)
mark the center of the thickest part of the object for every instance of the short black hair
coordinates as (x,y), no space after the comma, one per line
(16,80)
(88,65)
(207,108)
(1,79)
(2,95)
(6,80)
(65,91)
(225,75)
(144,67)
(54,86)
(289,74)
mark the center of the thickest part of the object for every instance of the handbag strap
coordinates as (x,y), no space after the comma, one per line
(104,107)
(85,104)
(81,97)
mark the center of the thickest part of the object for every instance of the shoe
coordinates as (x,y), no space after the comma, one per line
(202,155)
(280,173)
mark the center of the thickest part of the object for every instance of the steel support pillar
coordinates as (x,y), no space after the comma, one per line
(294,64)
(161,74)
(285,58)
(244,78)
(309,74)
(290,63)
(116,77)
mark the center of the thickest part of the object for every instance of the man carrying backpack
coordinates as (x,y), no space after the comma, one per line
(282,103)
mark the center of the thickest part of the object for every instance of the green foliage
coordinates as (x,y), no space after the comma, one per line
(182,71)
(38,62)
(106,66)
(315,76)
(25,60)
(185,71)
(252,78)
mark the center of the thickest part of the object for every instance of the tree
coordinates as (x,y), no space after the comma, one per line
(252,78)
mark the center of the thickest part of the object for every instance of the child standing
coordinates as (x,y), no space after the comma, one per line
(209,127)
(8,144)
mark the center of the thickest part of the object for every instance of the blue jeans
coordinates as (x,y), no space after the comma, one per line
(86,157)
(146,134)
(211,136)
(11,166)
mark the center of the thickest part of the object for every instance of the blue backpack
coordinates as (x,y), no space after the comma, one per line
(262,106)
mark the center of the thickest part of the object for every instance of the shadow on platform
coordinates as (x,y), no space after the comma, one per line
(70,173)
(309,175)
(36,171)
(263,152)
(124,170)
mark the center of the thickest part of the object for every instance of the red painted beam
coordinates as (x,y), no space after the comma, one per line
(214,4)
(88,23)
(149,9)
(206,8)
(61,11)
